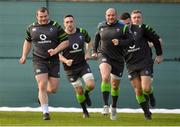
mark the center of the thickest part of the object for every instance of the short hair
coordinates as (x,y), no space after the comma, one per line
(125,16)
(136,11)
(112,9)
(69,15)
(42,9)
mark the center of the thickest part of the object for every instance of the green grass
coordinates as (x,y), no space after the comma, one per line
(96,119)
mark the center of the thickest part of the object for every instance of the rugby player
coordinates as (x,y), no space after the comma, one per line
(139,61)
(137,19)
(111,61)
(126,18)
(75,64)
(47,38)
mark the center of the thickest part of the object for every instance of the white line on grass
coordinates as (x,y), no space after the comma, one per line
(72,109)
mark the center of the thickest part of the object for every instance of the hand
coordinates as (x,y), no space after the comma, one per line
(95,56)
(51,52)
(150,44)
(87,56)
(115,41)
(69,62)
(22,60)
(158,59)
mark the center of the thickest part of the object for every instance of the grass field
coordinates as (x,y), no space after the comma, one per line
(96,119)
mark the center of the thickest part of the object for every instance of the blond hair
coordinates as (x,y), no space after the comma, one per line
(136,11)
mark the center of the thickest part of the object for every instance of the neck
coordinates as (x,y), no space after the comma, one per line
(70,31)
(43,24)
(111,23)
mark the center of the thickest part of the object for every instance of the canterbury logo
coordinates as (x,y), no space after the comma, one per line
(132,47)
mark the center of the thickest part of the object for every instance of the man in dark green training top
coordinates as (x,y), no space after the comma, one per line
(139,61)
(111,61)
(75,64)
(47,38)
(126,18)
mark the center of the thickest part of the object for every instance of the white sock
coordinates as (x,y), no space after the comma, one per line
(45,108)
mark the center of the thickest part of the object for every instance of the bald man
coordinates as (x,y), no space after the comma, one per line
(111,61)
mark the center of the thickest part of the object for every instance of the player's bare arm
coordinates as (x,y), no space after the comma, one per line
(59,48)
(26,49)
(68,62)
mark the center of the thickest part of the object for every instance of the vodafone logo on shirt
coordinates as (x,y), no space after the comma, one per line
(43,38)
(75,46)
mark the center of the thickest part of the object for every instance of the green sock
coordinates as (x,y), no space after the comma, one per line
(105,87)
(140,99)
(115,92)
(80,98)
(87,89)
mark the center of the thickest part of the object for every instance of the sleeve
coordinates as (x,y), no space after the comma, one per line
(127,37)
(154,38)
(86,35)
(28,35)
(96,40)
(62,35)
(150,32)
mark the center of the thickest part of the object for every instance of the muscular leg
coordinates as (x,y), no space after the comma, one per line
(146,84)
(53,84)
(136,83)
(105,70)
(42,80)
(80,96)
(114,90)
(89,86)
(147,89)
(114,93)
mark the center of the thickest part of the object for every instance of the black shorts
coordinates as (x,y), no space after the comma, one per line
(147,71)
(74,74)
(43,66)
(117,66)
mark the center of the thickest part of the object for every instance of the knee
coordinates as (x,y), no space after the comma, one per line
(115,87)
(91,85)
(42,86)
(115,84)
(138,92)
(79,90)
(146,90)
(52,89)
(105,77)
